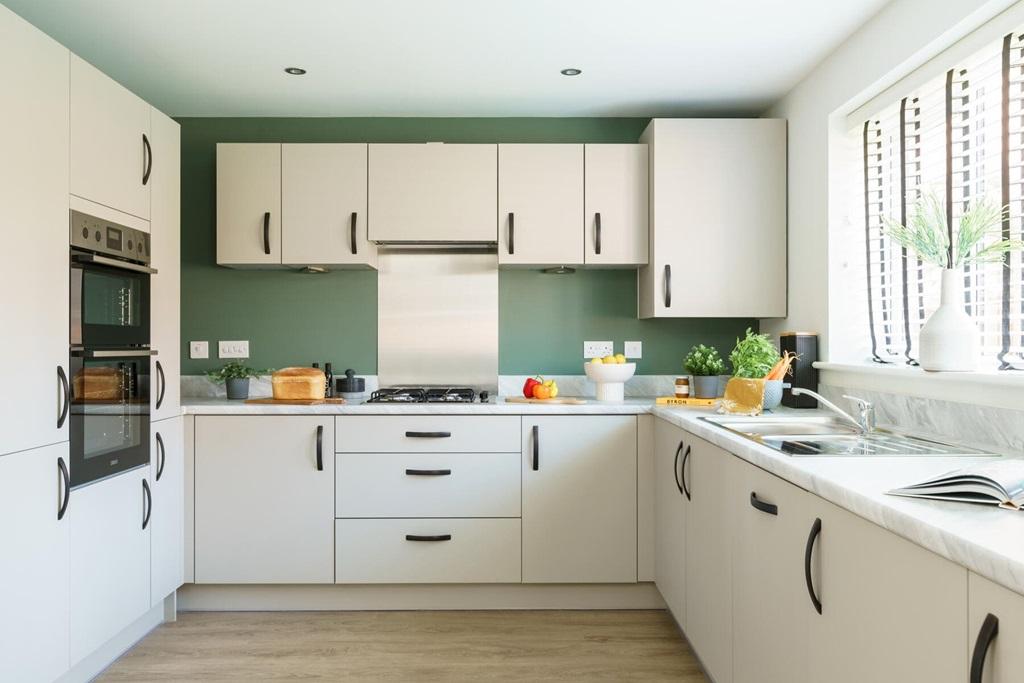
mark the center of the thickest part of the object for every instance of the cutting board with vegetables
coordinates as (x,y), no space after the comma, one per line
(294,401)
(564,400)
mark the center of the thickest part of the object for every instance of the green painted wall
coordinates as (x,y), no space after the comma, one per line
(294,319)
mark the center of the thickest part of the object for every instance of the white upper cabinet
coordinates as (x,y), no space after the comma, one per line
(670,509)
(112,159)
(540,204)
(167,481)
(615,213)
(248,204)
(996,633)
(323,205)
(579,499)
(34,196)
(165,286)
(718,219)
(433,193)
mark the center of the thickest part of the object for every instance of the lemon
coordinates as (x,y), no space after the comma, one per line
(619,358)
(610,360)
(596,361)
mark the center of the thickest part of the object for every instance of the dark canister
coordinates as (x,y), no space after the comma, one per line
(805,346)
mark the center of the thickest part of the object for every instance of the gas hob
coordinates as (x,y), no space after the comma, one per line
(426,395)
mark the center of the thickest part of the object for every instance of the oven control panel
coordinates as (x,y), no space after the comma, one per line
(105,237)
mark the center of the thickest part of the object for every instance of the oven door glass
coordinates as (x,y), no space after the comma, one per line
(109,415)
(109,306)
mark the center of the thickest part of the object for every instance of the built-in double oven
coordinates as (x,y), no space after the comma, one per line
(110,348)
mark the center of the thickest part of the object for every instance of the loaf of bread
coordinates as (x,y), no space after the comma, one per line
(97,384)
(299,384)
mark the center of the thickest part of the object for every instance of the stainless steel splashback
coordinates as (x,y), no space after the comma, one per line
(437,317)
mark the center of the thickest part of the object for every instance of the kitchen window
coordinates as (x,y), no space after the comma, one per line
(959,136)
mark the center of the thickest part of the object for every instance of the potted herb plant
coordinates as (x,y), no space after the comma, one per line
(754,356)
(704,363)
(235,375)
(949,338)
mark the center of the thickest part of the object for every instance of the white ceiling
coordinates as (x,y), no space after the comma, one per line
(452,57)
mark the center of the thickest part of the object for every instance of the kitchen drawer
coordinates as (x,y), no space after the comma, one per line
(428,434)
(428,485)
(379,551)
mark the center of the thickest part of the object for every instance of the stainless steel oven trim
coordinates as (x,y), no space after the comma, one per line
(113,263)
(111,353)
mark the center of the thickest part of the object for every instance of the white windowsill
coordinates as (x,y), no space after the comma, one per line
(1003,389)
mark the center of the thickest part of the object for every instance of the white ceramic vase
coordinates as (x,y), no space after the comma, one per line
(949,338)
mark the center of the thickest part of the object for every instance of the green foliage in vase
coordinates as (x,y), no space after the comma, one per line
(703,361)
(754,356)
(235,369)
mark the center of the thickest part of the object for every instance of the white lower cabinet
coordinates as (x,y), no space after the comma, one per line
(110,546)
(428,550)
(670,509)
(264,499)
(167,477)
(996,632)
(579,499)
(34,571)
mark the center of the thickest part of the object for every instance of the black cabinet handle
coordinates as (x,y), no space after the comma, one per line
(759,504)
(352,231)
(148,155)
(63,508)
(428,473)
(320,448)
(536,447)
(428,435)
(266,233)
(682,473)
(438,537)
(988,632)
(511,233)
(162,381)
(808,551)
(597,233)
(161,456)
(668,286)
(675,467)
(66,403)
(147,503)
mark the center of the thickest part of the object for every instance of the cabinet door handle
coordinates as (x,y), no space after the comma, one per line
(808,551)
(536,447)
(161,456)
(66,402)
(320,448)
(682,473)
(428,473)
(759,504)
(675,467)
(597,233)
(162,381)
(428,435)
(438,537)
(511,233)
(147,504)
(668,286)
(147,153)
(266,233)
(352,231)
(63,508)
(988,632)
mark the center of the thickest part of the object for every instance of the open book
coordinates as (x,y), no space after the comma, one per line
(1000,482)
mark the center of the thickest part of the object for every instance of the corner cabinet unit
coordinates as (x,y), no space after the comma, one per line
(718,219)
(165,286)
(433,192)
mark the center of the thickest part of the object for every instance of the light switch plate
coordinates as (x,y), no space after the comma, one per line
(634,349)
(597,349)
(233,349)
(198,349)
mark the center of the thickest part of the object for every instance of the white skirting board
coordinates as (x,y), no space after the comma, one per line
(418,597)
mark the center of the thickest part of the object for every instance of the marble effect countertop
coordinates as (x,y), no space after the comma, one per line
(987,540)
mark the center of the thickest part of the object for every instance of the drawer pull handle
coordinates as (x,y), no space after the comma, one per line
(988,632)
(428,435)
(428,473)
(320,448)
(811,538)
(759,504)
(439,537)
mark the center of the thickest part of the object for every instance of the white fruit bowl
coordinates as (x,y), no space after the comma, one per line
(610,379)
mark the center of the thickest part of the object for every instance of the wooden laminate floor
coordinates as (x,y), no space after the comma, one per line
(412,646)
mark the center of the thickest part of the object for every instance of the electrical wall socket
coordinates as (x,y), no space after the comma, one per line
(198,349)
(233,349)
(597,349)
(634,349)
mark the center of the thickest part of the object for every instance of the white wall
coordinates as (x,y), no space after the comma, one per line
(904,35)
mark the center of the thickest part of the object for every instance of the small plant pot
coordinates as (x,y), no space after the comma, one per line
(772,394)
(238,389)
(705,386)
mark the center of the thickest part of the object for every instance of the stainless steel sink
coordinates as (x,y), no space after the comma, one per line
(830,436)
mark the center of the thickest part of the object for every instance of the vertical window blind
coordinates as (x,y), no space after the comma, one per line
(959,136)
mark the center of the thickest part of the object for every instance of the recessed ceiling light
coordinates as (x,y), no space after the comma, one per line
(295,71)
(571,72)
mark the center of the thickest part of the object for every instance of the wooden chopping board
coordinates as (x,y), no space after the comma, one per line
(294,401)
(567,400)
